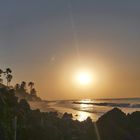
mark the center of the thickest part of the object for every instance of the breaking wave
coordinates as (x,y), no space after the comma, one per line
(124,105)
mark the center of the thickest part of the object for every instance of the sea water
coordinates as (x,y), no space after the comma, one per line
(81,109)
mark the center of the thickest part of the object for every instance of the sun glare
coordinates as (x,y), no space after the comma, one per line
(83,78)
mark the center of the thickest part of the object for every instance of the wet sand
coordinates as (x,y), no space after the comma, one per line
(51,106)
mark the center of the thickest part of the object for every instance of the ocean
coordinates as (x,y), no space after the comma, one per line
(81,109)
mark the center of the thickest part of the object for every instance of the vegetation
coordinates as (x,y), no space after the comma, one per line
(7,74)
(22,93)
(20,89)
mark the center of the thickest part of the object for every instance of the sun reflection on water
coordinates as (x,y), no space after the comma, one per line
(83,114)
(83,106)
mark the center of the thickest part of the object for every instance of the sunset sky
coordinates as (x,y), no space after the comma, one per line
(47,41)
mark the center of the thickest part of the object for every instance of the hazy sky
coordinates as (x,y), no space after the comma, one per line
(45,41)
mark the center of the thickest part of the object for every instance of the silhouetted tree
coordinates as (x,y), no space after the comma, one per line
(31,84)
(33,92)
(8,75)
(23,85)
(17,87)
(22,90)
(8,70)
(9,78)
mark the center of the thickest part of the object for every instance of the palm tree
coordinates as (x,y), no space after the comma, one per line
(33,92)
(31,84)
(20,89)
(8,70)
(8,75)
(17,87)
(9,78)
(23,85)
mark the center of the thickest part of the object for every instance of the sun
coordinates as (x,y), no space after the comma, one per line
(83,78)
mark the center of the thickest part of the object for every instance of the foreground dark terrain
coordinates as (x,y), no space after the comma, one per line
(18,121)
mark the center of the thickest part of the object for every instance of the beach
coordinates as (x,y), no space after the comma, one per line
(82,109)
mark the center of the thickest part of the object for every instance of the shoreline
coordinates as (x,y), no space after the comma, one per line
(78,114)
